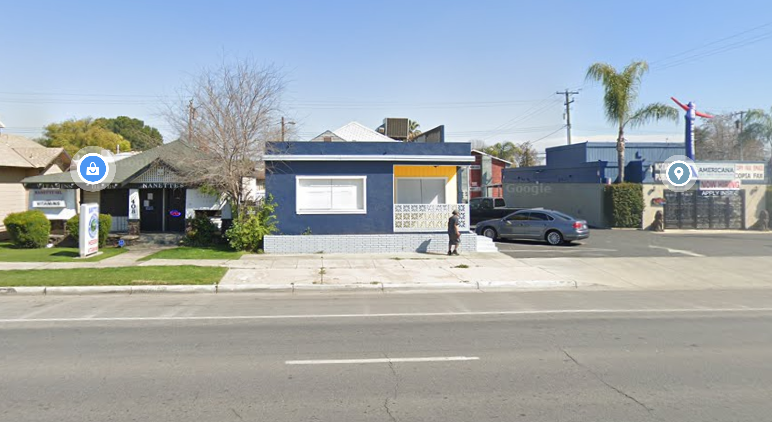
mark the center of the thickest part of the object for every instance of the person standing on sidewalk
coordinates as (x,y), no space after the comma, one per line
(454,236)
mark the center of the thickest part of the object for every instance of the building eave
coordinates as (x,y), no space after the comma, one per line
(395,158)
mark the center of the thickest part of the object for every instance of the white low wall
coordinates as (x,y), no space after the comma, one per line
(366,243)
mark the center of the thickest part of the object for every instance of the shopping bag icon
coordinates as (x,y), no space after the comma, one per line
(92,170)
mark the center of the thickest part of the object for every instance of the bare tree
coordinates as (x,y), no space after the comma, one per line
(719,139)
(478,144)
(228,114)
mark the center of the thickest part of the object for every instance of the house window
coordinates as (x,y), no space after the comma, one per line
(416,190)
(331,194)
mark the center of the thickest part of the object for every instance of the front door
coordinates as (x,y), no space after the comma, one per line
(175,210)
(151,210)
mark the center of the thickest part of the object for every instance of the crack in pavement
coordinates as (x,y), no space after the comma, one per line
(237,414)
(617,390)
(396,389)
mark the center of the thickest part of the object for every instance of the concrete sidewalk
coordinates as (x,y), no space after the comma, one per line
(483,272)
(490,271)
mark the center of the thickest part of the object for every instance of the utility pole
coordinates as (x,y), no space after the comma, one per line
(283,126)
(568,102)
(739,125)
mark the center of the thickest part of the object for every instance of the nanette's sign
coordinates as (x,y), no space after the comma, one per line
(88,238)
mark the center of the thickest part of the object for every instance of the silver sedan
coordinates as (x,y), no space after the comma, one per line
(550,226)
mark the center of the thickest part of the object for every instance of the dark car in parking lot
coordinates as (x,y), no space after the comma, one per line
(486,208)
(550,226)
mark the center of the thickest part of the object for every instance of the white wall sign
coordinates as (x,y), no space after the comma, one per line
(750,171)
(720,171)
(49,204)
(475,167)
(88,238)
(56,204)
(715,171)
(133,204)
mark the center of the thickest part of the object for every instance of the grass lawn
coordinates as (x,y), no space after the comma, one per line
(121,276)
(190,252)
(8,253)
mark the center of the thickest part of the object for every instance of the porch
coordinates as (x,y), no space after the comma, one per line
(425,198)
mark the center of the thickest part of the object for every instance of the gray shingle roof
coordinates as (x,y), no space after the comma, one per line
(171,154)
(18,151)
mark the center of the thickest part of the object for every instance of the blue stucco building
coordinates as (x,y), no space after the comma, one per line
(336,189)
(596,162)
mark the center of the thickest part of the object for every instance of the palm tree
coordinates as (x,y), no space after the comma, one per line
(506,151)
(757,125)
(413,126)
(621,93)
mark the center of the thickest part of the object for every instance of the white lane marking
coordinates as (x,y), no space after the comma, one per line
(681,251)
(558,249)
(392,315)
(382,360)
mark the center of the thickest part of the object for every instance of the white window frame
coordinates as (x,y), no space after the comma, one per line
(331,211)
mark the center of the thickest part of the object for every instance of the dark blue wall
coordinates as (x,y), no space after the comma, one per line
(567,155)
(280,182)
(370,148)
(579,173)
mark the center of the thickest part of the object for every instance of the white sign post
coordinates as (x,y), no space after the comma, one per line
(133,204)
(88,238)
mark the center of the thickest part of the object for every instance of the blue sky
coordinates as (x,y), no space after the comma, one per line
(485,69)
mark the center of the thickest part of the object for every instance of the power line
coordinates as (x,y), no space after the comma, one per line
(710,43)
(532,112)
(547,136)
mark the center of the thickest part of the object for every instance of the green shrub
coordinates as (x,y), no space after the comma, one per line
(624,204)
(248,231)
(28,229)
(105,222)
(202,232)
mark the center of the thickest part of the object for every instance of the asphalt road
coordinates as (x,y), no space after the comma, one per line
(541,356)
(637,243)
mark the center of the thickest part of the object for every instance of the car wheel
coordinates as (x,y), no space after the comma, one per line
(554,238)
(490,233)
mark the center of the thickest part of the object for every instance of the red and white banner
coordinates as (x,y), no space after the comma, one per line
(720,185)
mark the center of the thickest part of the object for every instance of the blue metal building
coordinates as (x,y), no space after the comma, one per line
(596,162)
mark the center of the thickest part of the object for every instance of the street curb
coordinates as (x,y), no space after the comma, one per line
(285,288)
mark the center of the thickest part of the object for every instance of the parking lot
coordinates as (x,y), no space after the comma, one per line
(637,243)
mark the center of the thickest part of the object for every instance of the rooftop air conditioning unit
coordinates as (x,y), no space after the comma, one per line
(397,128)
